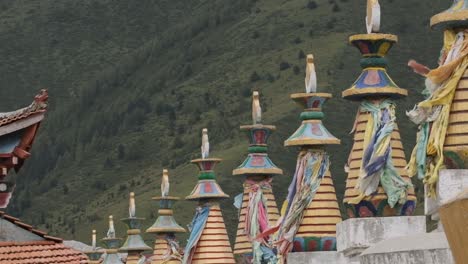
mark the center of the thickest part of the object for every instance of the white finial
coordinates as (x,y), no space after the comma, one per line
(373,16)
(131,208)
(205,147)
(311,75)
(111,231)
(165,184)
(94,240)
(256,108)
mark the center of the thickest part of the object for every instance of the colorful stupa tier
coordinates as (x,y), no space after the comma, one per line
(208,242)
(134,245)
(257,205)
(18,130)
(377,183)
(442,140)
(310,212)
(94,255)
(166,247)
(112,244)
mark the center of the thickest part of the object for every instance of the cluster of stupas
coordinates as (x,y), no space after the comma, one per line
(379,198)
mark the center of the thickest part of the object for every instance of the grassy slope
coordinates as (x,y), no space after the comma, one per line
(137,67)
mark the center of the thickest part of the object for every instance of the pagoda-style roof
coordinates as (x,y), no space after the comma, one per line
(455,16)
(18,130)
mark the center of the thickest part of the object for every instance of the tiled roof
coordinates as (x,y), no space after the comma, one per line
(37,252)
(50,251)
(39,105)
(29,228)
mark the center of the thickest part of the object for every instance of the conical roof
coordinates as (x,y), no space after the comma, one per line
(257,161)
(206,187)
(165,223)
(134,240)
(312,131)
(455,16)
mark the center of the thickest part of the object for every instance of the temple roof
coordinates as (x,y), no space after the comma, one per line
(37,247)
(34,252)
(39,105)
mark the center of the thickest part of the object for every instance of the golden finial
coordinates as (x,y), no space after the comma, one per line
(311,75)
(165,183)
(94,239)
(131,208)
(111,231)
(256,109)
(373,16)
(205,147)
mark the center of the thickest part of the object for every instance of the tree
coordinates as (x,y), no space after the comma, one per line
(255,77)
(312,5)
(301,55)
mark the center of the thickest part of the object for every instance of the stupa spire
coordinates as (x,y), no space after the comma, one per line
(94,255)
(377,183)
(112,245)
(134,245)
(257,205)
(208,241)
(310,212)
(166,247)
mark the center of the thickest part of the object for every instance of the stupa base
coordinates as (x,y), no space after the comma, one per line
(312,244)
(357,234)
(379,208)
(329,257)
(430,248)
(451,184)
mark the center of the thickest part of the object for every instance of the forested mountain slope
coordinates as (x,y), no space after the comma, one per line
(132,83)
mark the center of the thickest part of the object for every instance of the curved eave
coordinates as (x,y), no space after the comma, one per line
(311,142)
(197,197)
(357,94)
(165,230)
(306,95)
(207,159)
(374,37)
(448,19)
(246,171)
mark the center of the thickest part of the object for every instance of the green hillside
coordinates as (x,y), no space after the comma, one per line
(132,83)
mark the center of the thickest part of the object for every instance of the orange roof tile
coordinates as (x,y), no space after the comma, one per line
(38,252)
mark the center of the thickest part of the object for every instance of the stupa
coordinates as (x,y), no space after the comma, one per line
(134,245)
(94,255)
(257,205)
(443,116)
(166,247)
(377,183)
(311,211)
(112,244)
(440,157)
(208,242)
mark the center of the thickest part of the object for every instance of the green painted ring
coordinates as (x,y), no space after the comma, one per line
(258,149)
(312,115)
(373,62)
(206,176)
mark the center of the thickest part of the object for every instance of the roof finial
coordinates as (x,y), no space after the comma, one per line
(165,184)
(131,208)
(256,108)
(311,76)
(94,239)
(205,147)
(111,231)
(373,16)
